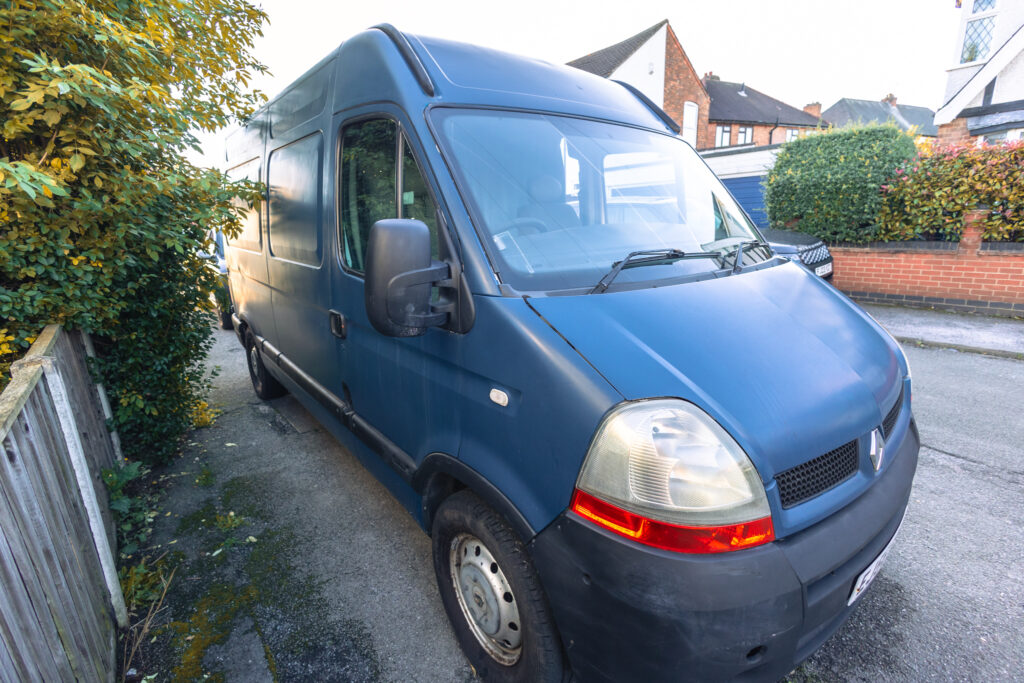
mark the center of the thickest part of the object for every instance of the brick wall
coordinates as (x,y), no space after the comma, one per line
(967,278)
(953,133)
(683,85)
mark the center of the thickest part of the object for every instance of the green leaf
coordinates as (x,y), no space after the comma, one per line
(76,162)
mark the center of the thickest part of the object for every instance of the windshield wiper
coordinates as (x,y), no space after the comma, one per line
(646,258)
(740,248)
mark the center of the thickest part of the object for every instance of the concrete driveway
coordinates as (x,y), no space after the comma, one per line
(326,577)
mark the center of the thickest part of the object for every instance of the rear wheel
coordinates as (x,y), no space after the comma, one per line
(224,317)
(265,386)
(492,594)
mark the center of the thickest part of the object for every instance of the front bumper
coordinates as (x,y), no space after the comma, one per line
(630,612)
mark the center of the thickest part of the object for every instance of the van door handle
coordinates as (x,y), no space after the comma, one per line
(339,326)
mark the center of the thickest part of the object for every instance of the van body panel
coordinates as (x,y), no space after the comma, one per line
(299,276)
(550,388)
(467,75)
(737,346)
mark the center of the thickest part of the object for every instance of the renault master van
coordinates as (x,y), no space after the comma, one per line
(646,447)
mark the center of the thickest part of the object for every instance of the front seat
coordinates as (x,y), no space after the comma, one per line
(549,205)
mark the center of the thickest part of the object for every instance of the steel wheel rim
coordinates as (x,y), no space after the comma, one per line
(486,599)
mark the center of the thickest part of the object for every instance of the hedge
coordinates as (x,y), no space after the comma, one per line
(830,183)
(927,199)
(103,222)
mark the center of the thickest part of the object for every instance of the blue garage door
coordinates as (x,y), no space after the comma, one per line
(750,195)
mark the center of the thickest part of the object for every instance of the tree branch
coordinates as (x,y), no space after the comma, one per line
(49,146)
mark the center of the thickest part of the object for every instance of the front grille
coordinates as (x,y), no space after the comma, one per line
(815,254)
(814,477)
(894,413)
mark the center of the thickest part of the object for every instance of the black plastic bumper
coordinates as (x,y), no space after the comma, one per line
(631,613)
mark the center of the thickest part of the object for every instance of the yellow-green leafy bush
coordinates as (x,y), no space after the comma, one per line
(928,199)
(102,220)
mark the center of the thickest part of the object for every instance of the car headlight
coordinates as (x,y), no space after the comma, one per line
(664,473)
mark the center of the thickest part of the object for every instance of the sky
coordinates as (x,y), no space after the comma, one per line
(798,51)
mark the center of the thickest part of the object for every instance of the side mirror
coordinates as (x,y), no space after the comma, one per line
(399,278)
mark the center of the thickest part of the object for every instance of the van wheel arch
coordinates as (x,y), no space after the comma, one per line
(441,475)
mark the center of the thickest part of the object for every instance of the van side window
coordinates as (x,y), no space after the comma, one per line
(293,178)
(249,237)
(369,178)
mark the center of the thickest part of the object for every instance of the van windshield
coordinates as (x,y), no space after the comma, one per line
(561,200)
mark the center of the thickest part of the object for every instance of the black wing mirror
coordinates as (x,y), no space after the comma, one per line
(400,275)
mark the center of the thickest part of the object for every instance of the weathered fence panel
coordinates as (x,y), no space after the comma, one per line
(60,604)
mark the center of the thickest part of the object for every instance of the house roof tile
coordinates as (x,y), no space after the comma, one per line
(604,62)
(728,104)
(848,110)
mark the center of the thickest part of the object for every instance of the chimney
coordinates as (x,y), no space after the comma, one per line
(710,76)
(814,109)
(890,99)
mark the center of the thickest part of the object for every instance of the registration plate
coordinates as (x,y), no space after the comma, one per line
(824,270)
(869,574)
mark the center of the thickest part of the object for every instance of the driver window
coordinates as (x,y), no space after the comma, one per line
(369,178)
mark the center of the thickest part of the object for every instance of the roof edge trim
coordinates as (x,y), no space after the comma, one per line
(658,111)
(409,55)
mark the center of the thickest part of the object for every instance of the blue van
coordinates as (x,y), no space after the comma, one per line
(645,446)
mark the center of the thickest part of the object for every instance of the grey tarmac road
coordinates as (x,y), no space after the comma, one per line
(948,605)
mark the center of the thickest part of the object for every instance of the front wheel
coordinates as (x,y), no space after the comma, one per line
(492,594)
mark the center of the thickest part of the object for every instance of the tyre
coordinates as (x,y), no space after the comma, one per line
(224,318)
(492,594)
(263,383)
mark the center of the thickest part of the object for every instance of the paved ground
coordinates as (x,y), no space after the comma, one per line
(1001,335)
(321,575)
(949,604)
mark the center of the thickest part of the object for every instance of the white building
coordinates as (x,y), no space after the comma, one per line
(984,96)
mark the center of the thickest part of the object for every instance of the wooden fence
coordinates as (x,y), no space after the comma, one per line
(60,601)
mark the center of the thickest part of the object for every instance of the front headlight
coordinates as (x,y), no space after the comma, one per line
(668,463)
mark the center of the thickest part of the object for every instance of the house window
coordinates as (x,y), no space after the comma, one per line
(792,134)
(983,6)
(977,39)
(744,135)
(722,135)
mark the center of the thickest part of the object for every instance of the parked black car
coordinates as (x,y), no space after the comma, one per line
(805,249)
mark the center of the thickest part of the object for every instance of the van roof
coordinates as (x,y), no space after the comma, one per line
(370,67)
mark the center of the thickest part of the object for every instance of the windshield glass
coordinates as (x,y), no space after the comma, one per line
(560,200)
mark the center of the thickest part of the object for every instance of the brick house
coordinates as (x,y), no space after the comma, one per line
(655,63)
(984,98)
(740,115)
(708,110)
(848,111)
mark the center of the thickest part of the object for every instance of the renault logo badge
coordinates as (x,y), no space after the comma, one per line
(877,448)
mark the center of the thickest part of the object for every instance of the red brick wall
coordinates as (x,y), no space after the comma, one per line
(964,275)
(682,85)
(954,132)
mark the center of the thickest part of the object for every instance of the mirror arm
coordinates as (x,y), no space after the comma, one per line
(438,274)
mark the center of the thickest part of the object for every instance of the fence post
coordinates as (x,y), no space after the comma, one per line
(90,351)
(66,417)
